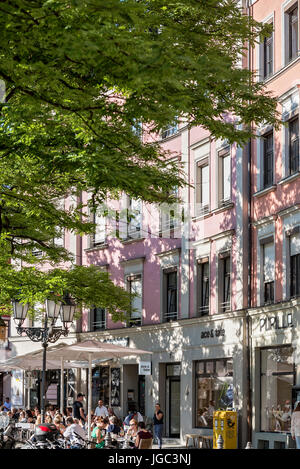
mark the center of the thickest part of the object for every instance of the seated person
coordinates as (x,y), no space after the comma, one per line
(72,432)
(113,426)
(99,432)
(132,432)
(142,434)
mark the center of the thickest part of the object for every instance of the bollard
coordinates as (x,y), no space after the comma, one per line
(249,445)
(220,442)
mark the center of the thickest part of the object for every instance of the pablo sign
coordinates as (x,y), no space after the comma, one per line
(282,321)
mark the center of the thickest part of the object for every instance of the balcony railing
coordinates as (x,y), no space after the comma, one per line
(99,325)
(170,316)
(203,310)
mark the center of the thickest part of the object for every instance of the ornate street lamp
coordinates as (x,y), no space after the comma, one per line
(47,333)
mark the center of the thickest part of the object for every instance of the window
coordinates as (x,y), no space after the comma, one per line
(169,130)
(295,265)
(268,160)
(225,277)
(214,389)
(137,129)
(100,385)
(291,35)
(135,288)
(98,319)
(203,286)
(99,236)
(269,272)
(224,177)
(293,143)
(202,188)
(170,295)
(134,218)
(268,56)
(170,218)
(276,382)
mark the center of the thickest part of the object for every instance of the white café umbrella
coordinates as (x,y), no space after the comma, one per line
(34,361)
(90,350)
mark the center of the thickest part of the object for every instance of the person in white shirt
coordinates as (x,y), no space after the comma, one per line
(74,429)
(295,425)
(101,410)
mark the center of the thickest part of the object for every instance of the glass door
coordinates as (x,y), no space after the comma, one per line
(174,406)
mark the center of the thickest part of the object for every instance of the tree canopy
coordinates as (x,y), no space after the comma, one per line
(80,76)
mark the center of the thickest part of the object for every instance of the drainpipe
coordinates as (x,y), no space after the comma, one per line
(249,293)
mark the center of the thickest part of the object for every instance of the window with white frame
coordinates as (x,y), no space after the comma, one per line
(97,319)
(266,61)
(295,262)
(224,176)
(291,33)
(293,144)
(224,281)
(268,160)
(203,286)
(134,218)
(170,291)
(99,236)
(169,130)
(202,187)
(268,272)
(135,289)
(169,218)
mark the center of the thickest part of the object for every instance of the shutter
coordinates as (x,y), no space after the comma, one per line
(269,262)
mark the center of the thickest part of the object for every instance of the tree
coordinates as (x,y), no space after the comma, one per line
(80,75)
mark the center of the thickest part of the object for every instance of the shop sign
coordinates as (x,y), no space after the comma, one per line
(282,321)
(144,368)
(211,333)
(121,341)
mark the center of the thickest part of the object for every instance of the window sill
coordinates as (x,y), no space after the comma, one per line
(281,70)
(131,240)
(221,208)
(97,247)
(265,191)
(290,178)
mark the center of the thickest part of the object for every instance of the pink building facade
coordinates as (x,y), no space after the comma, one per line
(218,278)
(275,217)
(191,277)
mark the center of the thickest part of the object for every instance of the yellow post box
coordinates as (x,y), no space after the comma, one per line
(225,423)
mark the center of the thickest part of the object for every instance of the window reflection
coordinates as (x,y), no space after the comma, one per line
(277,380)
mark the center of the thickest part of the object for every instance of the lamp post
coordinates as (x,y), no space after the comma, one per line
(48,333)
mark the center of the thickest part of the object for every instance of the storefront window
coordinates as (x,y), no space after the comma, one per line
(214,389)
(277,380)
(100,385)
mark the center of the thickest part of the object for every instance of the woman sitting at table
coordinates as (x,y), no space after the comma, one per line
(99,432)
(132,432)
(59,425)
(113,426)
(142,434)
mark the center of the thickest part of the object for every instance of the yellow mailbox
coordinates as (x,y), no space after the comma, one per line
(225,423)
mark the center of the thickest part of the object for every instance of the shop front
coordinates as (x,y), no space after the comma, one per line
(275,374)
(196,366)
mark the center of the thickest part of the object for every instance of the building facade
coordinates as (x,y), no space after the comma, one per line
(217,279)
(275,216)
